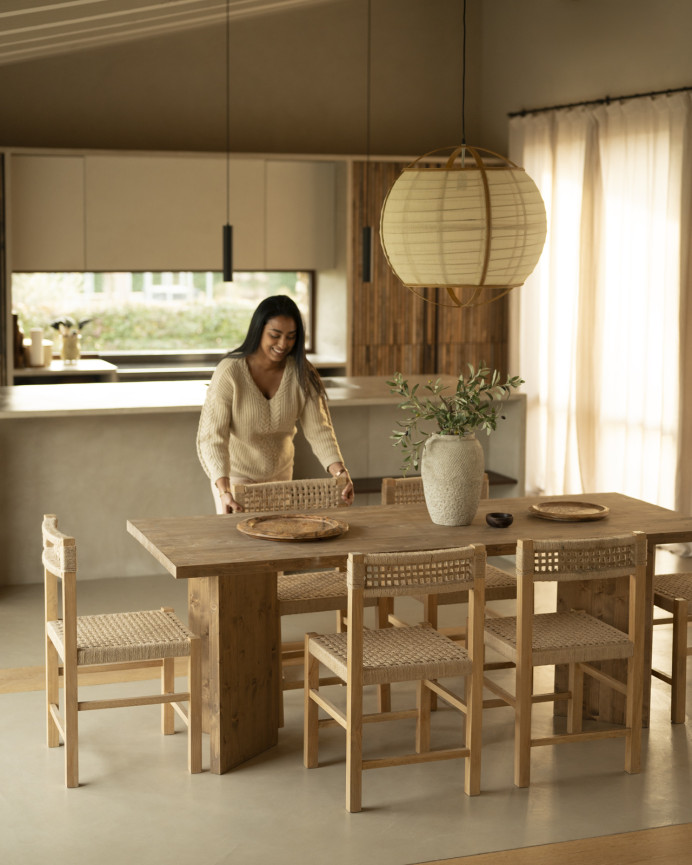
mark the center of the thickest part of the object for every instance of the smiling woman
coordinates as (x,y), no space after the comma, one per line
(137,312)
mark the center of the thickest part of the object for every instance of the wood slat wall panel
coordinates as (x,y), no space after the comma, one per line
(393,329)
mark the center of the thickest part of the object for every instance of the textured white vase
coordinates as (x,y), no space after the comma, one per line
(452,470)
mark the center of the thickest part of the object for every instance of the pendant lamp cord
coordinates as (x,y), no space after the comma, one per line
(463,77)
(228,110)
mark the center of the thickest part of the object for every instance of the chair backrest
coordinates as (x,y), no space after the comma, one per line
(581,559)
(302,495)
(414,573)
(60,564)
(429,572)
(409,491)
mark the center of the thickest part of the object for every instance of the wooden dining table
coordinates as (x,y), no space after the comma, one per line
(232,600)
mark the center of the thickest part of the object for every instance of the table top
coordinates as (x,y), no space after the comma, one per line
(204,546)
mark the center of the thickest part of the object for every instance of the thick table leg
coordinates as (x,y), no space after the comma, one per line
(236,618)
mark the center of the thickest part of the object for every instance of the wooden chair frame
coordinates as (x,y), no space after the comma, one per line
(63,650)
(673,593)
(513,637)
(390,575)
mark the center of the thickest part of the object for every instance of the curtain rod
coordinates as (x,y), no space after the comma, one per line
(606,100)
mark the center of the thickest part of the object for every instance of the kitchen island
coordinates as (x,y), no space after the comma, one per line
(127,450)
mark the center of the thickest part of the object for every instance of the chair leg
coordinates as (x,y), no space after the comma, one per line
(679,673)
(522,727)
(633,718)
(575,703)
(354,748)
(70,717)
(385,606)
(310,710)
(423,720)
(430,615)
(281,670)
(167,687)
(194,708)
(474,721)
(52,694)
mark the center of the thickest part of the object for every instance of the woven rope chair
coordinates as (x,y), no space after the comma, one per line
(419,653)
(673,593)
(117,641)
(305,592)
(499,585)
(574,638)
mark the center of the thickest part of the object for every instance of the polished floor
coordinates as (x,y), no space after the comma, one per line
(138,803)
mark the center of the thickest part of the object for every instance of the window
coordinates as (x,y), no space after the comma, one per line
(145,312)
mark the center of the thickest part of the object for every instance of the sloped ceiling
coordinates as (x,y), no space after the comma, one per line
(39,28)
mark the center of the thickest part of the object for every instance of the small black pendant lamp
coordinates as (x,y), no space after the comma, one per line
(227,235)
(366,248)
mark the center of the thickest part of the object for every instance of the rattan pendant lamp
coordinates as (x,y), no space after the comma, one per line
(473,225)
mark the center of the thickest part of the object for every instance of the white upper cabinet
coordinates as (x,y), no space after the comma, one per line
(300,215)
(140,212)
(47,213)
(167,213)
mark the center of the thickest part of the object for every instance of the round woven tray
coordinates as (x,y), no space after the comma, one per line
(292,527)
(573,512)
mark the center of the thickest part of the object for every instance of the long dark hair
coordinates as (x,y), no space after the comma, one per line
(271,307)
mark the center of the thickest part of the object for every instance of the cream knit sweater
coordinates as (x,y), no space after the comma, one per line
(243,434)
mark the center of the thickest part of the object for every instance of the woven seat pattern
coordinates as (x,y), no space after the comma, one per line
(314,591)
(565,560)
(562,638)
(429,572)
(124,637)
(395,654)
(673,586)
(306,494)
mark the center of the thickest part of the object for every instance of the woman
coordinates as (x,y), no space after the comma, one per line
(257,394)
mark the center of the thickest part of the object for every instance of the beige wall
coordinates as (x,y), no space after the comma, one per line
(299,77)
(298,85)
(546,52)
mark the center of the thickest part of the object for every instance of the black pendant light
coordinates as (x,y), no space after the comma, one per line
(366,248)
(227,235)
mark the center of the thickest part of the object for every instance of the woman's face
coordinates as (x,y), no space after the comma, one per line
(278,338)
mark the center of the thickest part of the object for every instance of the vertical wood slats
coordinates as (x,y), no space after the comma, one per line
(395,330)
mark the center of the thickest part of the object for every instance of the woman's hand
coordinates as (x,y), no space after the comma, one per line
(336,470)
(230,504)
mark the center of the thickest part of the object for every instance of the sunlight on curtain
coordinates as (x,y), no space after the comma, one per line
(595,329)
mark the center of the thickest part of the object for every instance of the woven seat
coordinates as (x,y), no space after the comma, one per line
(574,638)
(304,592)
(122,637)
(418,653)
(116,641)
(673,593)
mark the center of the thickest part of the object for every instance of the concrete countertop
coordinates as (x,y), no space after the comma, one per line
(150,397)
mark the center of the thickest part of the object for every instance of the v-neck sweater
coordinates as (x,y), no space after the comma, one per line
(242,433)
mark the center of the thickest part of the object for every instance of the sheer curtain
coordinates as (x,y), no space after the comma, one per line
(596,329)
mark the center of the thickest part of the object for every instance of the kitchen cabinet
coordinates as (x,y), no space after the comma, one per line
(47,213)
(141,212)
(167,212)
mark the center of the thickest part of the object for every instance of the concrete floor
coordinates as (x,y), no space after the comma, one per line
(138,803)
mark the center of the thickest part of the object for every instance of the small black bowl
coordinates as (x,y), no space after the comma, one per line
(498,520)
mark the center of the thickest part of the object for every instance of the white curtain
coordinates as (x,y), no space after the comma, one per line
(596,329)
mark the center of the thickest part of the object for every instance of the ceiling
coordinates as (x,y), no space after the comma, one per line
(32,29)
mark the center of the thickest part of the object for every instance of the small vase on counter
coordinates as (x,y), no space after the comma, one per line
(70,350)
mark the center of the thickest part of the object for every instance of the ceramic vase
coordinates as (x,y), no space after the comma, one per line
(70,351)
(452,470)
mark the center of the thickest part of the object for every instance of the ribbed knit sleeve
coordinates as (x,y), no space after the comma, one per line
(241,433)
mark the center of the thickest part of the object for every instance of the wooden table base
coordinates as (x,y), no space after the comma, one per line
(240,664)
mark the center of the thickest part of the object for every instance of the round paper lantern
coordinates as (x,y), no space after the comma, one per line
(474,225)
